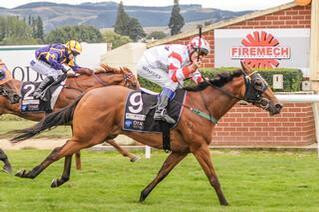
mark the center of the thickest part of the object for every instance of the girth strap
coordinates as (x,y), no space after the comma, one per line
(166,136)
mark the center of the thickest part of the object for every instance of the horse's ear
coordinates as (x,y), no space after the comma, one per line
(242,65)
(245,67)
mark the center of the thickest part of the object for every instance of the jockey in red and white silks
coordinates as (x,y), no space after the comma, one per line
(168,66)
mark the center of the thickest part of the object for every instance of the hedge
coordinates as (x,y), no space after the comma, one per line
(292,78)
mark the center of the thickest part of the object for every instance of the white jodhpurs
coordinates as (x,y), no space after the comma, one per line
(44,69)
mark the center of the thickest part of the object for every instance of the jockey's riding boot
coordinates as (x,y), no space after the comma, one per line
(160,113)
(38,91)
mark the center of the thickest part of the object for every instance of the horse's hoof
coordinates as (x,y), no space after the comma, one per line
(21,173)
(7,169)
(136,158)
(54,183)
(142,197)
(225,204)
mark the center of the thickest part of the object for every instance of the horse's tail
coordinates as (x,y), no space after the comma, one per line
(61,117)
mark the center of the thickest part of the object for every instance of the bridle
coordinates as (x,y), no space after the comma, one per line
(127,77)
(253,94)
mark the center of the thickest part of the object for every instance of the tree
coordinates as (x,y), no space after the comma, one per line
(128,26)
(156,35)
(33,26)
(81,33)
(116,39)
(176,21)
(39,28)
(135,30)
(122,21)
(15,31)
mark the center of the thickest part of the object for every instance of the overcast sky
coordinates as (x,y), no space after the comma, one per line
(235,5)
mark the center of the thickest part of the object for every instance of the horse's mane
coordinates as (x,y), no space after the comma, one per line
(104,68)
(219,81)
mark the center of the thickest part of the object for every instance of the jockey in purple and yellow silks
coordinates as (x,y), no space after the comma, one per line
(53,60)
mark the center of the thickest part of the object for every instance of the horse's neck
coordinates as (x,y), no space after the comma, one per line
(87,82)
(216,102)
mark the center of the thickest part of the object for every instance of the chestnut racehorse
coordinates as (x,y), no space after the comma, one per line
(75,86)
(106,107)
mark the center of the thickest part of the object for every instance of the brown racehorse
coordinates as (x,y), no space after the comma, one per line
(192,134)
(75,86)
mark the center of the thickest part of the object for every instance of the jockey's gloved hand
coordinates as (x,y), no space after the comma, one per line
(65,68)
(196,64)
(70,72)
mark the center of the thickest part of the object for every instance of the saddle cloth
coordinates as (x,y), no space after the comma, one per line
(31,104)
(140,108)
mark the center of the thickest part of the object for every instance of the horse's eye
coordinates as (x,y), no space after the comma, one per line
(259,85)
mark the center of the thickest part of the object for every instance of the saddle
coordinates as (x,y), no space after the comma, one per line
(31,104)
(140,109)
(139,114)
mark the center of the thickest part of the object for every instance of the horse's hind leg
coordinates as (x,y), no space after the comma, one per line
(202,155)
(66,173)
(77,156)
(67,149)
(123,151)
(78,165)
(7,166)
(171,161)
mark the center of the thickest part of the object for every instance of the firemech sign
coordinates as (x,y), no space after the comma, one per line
(263,48)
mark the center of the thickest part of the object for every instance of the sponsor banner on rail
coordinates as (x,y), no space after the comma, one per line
(17,59)
(263,48)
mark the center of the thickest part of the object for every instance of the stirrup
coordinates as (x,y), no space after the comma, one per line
(163,116)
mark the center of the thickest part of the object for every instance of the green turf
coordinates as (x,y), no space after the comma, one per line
(251,180)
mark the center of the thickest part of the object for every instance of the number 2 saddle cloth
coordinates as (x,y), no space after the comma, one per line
(32,104)
(140,108)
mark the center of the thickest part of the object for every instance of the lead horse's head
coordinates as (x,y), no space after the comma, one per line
(258,92)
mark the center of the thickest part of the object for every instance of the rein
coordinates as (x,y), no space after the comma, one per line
(211,118)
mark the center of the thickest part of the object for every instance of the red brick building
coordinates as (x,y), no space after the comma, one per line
(248,125)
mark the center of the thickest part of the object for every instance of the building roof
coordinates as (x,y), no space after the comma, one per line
(225,23)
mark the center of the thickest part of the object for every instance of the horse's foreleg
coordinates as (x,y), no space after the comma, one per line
(7,166)
(202,155)
(123,151)
(66,173)
(171,161)
(78,160)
